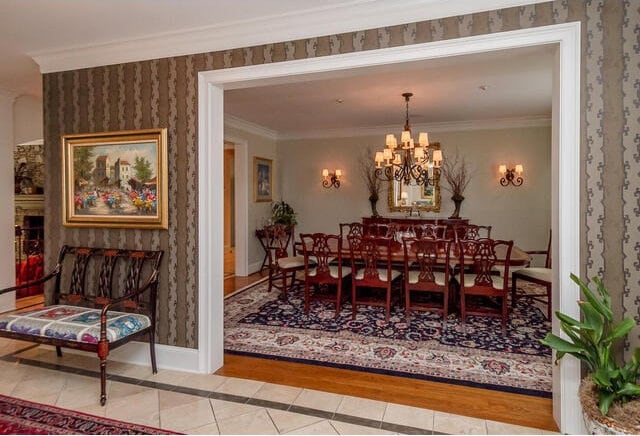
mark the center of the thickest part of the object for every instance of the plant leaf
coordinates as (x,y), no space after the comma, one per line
(559,344)
(572,322)
(605,398)
(593,319)
(598,305)
(620,330)
(602,378)
(628,388)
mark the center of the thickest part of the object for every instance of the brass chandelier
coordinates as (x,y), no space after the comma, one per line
(411,163)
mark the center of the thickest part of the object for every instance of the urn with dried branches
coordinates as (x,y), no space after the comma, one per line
(455,172)
(367,172)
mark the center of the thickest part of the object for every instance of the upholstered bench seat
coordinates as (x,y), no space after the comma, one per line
(74,323)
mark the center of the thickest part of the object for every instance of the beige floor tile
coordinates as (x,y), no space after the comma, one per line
(258,422)
(229,409)
(72,398)
(207,382)
(545,432)
(410,416)
(205,429)
(362,408)
(167,376)
(182,417)
(128,370)
(169,399)
(346,428)
(455,424)
(278,393)
(494,427)
(318,400)
(96,410)
(118,390)
(74,381)
(42,399)
(322,427)
(287,421)
(7,387)
(239,386)
(42,385)
(133,406)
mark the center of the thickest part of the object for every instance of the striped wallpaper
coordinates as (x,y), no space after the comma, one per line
(162,93)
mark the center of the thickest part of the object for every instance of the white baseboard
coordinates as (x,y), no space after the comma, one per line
(137,353)
(254,267)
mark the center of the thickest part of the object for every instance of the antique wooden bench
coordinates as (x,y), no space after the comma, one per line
(82,315)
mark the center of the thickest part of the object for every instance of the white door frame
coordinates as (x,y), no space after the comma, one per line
(565,177)
(241,196)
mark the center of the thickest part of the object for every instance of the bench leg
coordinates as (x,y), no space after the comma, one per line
(103,382)
(58,351)
(152,349)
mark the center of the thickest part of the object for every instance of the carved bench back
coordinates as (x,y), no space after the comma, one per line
(114,273)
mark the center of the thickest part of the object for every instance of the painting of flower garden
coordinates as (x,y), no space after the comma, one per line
(118,180)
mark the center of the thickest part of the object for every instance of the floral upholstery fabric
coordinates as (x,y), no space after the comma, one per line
(73,323)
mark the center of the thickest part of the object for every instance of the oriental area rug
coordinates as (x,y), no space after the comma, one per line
(258,323)
(19,416)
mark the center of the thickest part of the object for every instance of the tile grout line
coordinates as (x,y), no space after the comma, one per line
(348,419)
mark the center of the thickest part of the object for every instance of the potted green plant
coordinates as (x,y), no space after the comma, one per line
(610,395)
(283,213)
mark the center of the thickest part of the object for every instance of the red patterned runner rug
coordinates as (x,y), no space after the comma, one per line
(19,416)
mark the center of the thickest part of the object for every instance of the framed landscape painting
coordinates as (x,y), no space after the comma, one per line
(115,179)
(262,179)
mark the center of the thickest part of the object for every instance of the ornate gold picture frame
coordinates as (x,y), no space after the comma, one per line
(115,179)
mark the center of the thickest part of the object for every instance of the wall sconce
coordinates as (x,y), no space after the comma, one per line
(513,176)
(331,179)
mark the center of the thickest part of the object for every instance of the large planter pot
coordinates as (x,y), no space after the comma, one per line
(621,421)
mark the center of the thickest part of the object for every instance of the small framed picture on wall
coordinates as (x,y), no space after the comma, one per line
(262,179)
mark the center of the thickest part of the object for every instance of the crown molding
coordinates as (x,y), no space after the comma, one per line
(349,16)
(449,126)
(249,127)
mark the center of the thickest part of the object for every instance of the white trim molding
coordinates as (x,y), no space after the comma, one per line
(566,202)
(333,19)
(249,127)
(447,126)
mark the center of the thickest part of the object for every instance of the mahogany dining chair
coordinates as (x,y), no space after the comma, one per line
(477,283)
(276,243)
(323,269)
(423,273)
(538,275)
(375,272)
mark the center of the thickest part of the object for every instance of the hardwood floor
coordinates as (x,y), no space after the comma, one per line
(461,400)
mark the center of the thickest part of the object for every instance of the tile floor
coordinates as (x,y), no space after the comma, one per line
(211,404)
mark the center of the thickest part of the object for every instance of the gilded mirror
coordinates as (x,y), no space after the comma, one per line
(403,198)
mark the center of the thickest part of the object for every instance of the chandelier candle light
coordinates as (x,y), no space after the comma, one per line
(411,162)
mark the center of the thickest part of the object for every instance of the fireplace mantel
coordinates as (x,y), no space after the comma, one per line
(28,205)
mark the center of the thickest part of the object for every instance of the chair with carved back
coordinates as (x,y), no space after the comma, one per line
(539,275)
(431,231)
(351,229)
(323,269)
(277,238)
(375,272)
(471,231)
(466,232)
(478,284)
(423,273)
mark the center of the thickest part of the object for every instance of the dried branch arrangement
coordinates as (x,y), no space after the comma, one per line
(456,172)
(367,172)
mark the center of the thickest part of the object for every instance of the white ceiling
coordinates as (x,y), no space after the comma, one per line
(69,34)
(447,90)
